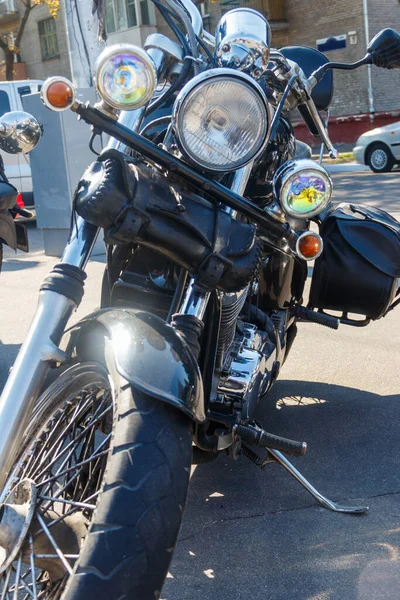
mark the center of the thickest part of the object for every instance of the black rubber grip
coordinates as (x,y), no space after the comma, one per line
(67,280)
(258,437)
(316,317)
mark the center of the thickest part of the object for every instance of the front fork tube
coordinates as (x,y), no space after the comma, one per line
(38,351)
(40,347)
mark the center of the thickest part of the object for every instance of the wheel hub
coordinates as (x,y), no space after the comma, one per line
(378,159)
(16,514)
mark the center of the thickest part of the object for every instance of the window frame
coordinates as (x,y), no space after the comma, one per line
(45,36)
(137,3)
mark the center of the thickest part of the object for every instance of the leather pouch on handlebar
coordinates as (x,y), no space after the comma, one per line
(134,202)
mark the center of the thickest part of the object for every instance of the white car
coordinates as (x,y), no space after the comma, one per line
(379,148)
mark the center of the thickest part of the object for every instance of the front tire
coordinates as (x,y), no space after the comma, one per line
(380,159)
(140,486)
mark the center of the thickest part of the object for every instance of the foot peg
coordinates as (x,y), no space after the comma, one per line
(325,502)
(255,436)
(306,314)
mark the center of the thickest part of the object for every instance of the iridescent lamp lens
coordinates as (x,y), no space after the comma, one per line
(303,192)
(125,77)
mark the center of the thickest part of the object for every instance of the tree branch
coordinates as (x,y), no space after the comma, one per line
(28,8)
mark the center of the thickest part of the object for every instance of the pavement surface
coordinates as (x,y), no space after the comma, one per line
(253,534)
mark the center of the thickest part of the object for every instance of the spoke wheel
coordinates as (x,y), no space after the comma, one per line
(65,454)
(93,505)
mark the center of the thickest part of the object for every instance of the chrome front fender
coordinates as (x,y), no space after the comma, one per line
(145,351)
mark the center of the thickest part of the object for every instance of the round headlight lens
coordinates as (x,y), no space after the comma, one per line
(221,120)
(304,188)
(125,76)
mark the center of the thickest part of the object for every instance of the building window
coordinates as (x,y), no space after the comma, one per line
(48,39)
(205,14)
(122,14)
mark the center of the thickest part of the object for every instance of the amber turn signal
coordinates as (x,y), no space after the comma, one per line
(309,245)
(58,93)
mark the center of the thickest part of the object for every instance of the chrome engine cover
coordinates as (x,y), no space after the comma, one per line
(249,369)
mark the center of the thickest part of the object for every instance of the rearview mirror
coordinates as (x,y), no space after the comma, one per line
(384,49)
(19,132)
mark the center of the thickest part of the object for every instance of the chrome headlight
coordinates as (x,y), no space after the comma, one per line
(303,188)
(221,119)
(125,76)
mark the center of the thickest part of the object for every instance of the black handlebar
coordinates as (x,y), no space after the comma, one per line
(218,192)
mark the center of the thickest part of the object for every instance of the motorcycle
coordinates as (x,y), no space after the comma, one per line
(207,214)
(15,137)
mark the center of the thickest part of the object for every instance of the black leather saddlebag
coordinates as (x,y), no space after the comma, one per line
(359,268)
(133,202)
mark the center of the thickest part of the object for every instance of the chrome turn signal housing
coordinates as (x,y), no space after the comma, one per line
(125,77)
(58,93)
(309,245)
(303,188)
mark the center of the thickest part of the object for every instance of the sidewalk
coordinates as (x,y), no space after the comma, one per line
(20,280)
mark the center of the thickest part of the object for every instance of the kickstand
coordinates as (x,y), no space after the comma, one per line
(282,460)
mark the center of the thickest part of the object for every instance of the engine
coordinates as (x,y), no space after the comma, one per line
(248,368)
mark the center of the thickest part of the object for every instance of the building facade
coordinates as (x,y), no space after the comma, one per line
(44,47)
(363,98)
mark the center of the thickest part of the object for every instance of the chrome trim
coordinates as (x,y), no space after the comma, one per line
(28,373)
(239,182)
(333,153)
(289,170)
(250,371)
(195,16)
(243,40)
(20,132)
(80,243)
(165,44)
(132,50)
(199,80)
(241,178)
(45,87)
(194,302)
(208,38)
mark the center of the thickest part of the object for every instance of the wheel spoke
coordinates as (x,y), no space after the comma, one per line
(17,578)
(4,595)
(32,561)
(72,502)
(54,544)
(65,458)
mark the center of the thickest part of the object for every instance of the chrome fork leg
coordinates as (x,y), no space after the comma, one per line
(39,349)
(325,502)
(29,372)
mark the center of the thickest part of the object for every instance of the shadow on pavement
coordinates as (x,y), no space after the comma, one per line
(13,264)
(255,522)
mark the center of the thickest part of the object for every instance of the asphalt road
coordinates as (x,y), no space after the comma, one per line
(252,534)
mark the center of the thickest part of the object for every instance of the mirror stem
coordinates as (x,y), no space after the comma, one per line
(319,73)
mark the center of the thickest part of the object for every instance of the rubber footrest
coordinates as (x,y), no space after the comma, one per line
(252,436)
